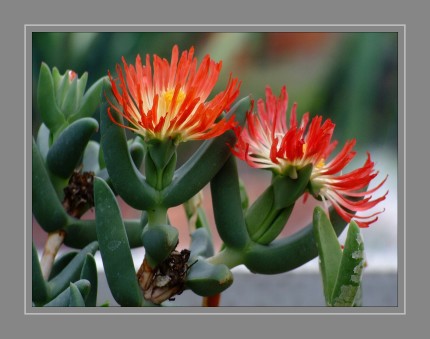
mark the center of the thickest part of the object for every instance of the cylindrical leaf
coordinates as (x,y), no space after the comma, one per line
(90,160)
(71,272)
(329,251)
(81,232)
(351,268)
(46,206)
(288,253)
(201,243)
(42,140)
(287,190)
(51,115)
(114,248)
(63,299)
(202,166)
(61,263)
(64,155)
(227,206)
(76,299)
(159,241)
(205,279)
(276,226)
(90,101)
(89,272)
(129,183)
(38,284)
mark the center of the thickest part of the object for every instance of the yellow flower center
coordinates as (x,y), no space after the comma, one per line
(168,97)
(320,162)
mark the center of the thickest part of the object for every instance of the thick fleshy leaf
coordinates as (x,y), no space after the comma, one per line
(89,102)
(66,152)
(201,243)
(90,160)
(287,190)
(71,101)
(61,263)
(205,279)
(63,299)
(275,227)
(72,271)
(202,166)
(227,206)
(329,251)
(159,241)
(46,206)
(259,210)
(128,182)
(81,232)
(351,268)
(39,288)
(42,141)
(76,298)
(51,114)
(89,272)
(288,253)
(114,247)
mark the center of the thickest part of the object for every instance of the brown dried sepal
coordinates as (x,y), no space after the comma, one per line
(165,280)
(79,193)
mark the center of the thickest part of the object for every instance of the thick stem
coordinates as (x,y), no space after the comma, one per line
(157,216)
(212,301)
(229,257)
(52,245)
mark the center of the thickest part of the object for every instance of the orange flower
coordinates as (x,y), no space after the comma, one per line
(268,142)
(169,101)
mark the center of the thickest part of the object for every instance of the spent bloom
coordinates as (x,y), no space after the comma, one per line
(270,142)
(169,100)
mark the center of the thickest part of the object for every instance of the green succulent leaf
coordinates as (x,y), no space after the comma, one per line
(286,254)
(128,182)
(43,140)
(71,100)
(159,241)
(287,190)
(72,271)
(76,298)
(90,101)
(89,272)
(66,152)
(277,223)
(63,299)
(201,243)
(81,232)
(351,268)
(47,208)
(61,263)
(114,247)
(50,112)
(39,291)
(90,160)
(202,166)
(205,279)
(227,206)
(329,251)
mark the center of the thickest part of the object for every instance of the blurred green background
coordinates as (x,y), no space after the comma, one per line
(349,77)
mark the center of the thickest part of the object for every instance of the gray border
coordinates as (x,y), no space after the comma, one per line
(16,14)
(400,29)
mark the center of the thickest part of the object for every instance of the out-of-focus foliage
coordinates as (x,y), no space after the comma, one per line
(349,77)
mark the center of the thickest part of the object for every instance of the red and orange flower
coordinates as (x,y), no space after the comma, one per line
(268,142)
(169,100)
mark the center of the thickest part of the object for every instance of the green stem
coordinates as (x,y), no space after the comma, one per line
(157,216)
(229,257)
